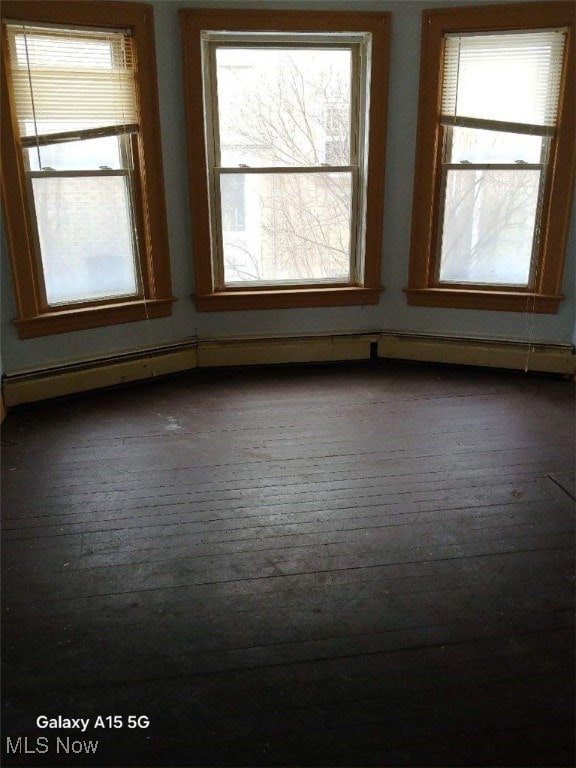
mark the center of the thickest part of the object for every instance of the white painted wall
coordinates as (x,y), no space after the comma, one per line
(391,314)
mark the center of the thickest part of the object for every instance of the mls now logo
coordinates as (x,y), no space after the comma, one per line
(25,746)
(22,745)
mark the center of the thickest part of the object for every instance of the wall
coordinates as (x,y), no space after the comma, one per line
(391,314)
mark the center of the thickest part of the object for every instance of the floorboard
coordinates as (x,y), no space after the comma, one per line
(318,566)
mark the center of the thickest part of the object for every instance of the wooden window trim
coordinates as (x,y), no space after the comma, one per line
(207,299)
(545,295)
(34,318)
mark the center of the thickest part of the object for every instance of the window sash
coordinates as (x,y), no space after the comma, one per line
(446,166)
(126,172)
(358,103)
(471,168)
(91,93)
(216,207)
(540,52)
(96,296)
(358,45)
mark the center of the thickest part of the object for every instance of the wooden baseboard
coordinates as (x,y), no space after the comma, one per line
(285,350)
(66,380)
(544,358)
(31,386)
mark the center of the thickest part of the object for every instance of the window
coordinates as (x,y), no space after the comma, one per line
(82,169)
(495,158)
(286,156)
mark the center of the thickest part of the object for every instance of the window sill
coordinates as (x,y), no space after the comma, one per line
(504,301)
(232,301)
(80,319)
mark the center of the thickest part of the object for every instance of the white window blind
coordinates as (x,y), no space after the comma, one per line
(70,80)
(504,79)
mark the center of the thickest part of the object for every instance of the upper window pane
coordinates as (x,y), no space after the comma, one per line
(71,78)
(509,77)
(284,106)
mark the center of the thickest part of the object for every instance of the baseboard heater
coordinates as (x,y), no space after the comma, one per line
(56,381)
(515,355)
(318,348)
(59,380)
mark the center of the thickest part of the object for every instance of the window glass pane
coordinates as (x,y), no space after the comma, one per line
(233,202)
(287,226)
(86,155)
(84,228)
(489,221)
(284,106)
(477,146)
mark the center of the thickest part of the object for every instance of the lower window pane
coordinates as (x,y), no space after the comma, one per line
(85,232)
(488,228)
(286,227)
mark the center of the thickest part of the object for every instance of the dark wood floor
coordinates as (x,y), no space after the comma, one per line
(356,565)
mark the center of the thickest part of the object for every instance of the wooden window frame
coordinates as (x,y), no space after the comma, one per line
(34,316)
(423,289)
(207,297)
